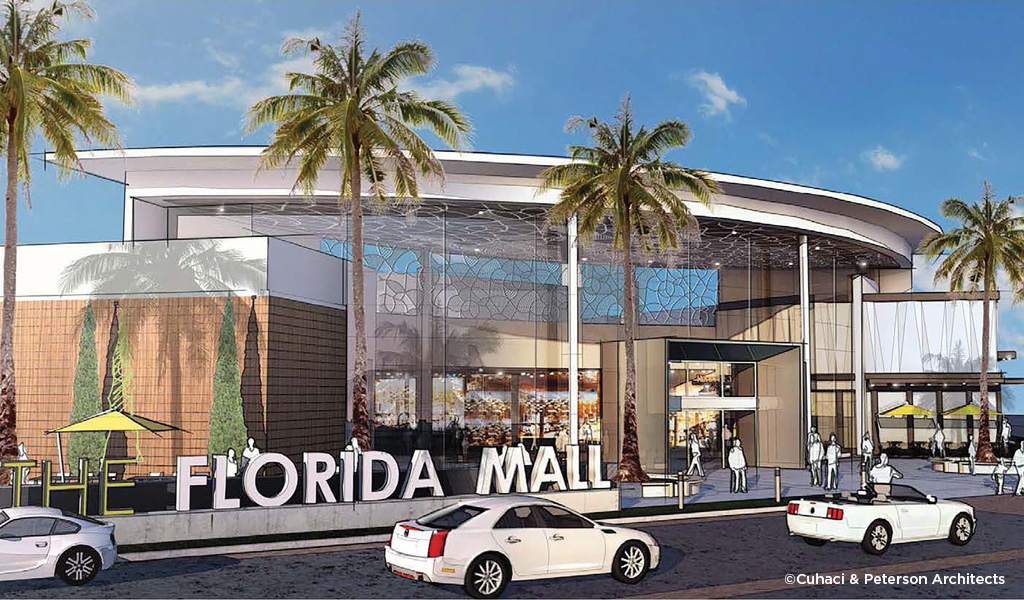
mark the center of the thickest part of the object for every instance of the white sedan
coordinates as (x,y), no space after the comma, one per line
(484,543)
(40,542)
(881,515)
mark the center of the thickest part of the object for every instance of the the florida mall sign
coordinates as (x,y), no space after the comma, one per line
(502,470)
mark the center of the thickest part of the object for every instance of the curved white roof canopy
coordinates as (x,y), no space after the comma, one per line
(225,174)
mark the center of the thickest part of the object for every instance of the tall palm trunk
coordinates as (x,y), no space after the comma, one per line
(984,443)
(360,415)
(8,420)
(629,462)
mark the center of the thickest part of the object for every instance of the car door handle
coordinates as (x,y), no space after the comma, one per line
(557,537)
(40,544)
(513,539)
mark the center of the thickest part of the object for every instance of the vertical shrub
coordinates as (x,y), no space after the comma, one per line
(86,397)
(227,425)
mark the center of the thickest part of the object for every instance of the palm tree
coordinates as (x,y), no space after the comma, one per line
(989,238)
(624,175)
(46,88)
(350,108)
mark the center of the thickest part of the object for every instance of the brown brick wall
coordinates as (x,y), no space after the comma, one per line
(297,382)
(306,395)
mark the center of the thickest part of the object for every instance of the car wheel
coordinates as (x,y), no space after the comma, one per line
(79,565)
(815,541)
(962,529)
(487,576)
(877,538)
(631,562)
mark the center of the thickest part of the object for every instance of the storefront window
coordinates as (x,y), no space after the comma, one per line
(488,407)
(738,380)
(590,407)
(394,400)
(543,407)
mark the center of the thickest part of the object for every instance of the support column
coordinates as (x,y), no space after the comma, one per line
(805,331)
(573,282)
(857,360)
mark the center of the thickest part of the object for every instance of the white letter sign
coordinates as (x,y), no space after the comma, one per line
(291,479)
(186,480)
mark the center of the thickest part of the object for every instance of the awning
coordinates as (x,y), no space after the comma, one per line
(115,420)
(908,410)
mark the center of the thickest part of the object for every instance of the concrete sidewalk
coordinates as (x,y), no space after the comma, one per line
(796,482)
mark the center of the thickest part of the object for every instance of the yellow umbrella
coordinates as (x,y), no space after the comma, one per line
(969,410)
(908,410)
(107,422)
(115,420)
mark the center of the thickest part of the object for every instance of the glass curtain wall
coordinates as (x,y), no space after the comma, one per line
(833,407)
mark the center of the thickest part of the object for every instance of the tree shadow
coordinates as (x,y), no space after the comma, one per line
(144,277)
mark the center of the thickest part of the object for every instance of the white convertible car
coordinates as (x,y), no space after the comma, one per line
(40,542)
(879,516)
(484,543)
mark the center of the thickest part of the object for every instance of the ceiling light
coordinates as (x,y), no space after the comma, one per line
(718,264)
(817,247)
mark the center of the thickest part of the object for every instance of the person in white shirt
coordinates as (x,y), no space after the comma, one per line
(738,467)
(1018,466)
(1004,434)
(695,457)
(232,469)
(251,451)
(815,454)
(832,460)
(939,442)
(972,452)
(884,473)
(999,475)
(867,450)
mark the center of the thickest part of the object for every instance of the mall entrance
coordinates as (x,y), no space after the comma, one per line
(713,432)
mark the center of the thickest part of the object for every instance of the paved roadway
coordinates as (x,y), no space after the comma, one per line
(731,557)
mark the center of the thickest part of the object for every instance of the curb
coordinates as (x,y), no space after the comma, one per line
(339,543)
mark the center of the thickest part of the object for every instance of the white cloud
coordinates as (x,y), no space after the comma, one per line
(882,159)
(228,60)
(767,138)
(718,97)
(468,78)
(232,91)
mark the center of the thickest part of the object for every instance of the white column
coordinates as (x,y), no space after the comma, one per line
(573,282)
(805,329)
(858,353)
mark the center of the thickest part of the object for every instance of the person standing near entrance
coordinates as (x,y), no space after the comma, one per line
(939,441)
(815,453)
(695,457)
(867,450)
(1018,466)
(1004,435)
(972,452)
(738,467)
(832,459)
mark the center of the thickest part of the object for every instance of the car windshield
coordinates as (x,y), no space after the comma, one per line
(907,493)
(450,517)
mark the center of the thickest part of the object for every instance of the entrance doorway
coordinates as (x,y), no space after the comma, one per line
(712,433)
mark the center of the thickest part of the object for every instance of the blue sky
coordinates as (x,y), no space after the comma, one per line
(906,102)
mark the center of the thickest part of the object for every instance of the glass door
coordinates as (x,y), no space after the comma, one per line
(694,432)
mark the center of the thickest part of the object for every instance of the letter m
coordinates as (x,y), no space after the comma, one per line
(501,470)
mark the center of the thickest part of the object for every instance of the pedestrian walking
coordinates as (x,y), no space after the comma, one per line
(832,460)
(695,457)
(738,467)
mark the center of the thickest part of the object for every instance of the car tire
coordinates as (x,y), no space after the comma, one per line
(877,538)
(815,541)
(631,563)
(79,565)
(961,530)
(487,576)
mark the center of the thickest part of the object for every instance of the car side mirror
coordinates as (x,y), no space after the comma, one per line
(932,499)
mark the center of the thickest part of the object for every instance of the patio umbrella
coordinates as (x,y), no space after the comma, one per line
(969,410)
(908,410)
(109,421)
